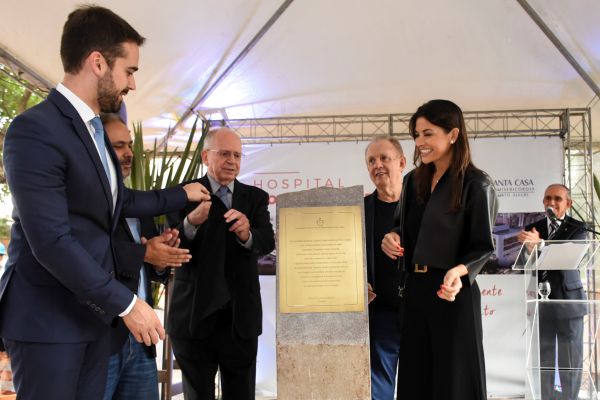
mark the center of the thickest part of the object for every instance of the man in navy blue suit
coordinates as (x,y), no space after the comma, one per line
(561,325)
(59,294)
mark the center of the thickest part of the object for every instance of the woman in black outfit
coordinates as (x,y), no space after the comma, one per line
(448,209)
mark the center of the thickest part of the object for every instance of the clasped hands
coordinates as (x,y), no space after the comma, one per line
(451,284)
(240,225)
(161,251)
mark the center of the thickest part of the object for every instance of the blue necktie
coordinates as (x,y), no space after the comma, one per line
(134,227)
(552,231)
(99,139)
(223,194)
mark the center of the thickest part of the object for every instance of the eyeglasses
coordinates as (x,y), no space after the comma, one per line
(385,159)
(226,154)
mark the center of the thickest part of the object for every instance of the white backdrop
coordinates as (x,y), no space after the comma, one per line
(521,169)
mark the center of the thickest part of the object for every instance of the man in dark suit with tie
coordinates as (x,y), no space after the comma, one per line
(59,294)
(216,315)
(561,325)
(142,256)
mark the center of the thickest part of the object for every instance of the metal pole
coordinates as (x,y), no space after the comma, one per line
(559,46)
(203,96)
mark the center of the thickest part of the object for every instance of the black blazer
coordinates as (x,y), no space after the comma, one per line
(130,257)
(222,272)
(447,239)
(565,284)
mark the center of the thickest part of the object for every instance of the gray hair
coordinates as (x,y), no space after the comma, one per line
(392,140)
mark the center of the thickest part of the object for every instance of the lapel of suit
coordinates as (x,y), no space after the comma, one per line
(542,228)
(84,135)
(239,200)
(565,229)
(120,185)
(127,229)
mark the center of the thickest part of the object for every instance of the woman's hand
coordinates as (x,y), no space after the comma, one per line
(391,245)
(452,284)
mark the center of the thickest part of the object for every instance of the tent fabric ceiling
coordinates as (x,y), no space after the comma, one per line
(335,56)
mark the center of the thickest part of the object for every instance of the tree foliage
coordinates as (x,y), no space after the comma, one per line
(15,97)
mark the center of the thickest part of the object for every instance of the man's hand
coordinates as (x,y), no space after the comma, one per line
(162,251)
(391,245)
(144,324)
(199,214)
(241,226)
(196,192)
(530,238)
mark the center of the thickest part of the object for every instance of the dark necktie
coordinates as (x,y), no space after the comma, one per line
(551,232)
(553,228)
(223,193)
(99,139)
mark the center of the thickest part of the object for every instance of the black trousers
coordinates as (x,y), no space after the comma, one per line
(561,339)
(223,349)
(442,347)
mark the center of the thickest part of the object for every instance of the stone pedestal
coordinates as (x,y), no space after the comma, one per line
(323,355)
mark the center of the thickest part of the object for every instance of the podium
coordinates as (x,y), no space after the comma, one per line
(562,319)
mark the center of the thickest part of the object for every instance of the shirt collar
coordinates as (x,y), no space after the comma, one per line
(214,185)
(85,112)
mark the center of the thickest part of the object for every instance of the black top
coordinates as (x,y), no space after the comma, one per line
(386,270)
(434,236)
(414,216)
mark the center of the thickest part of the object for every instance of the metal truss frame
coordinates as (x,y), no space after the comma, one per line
(572,125)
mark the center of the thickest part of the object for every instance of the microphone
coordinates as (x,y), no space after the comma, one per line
(551,215)
(553,218)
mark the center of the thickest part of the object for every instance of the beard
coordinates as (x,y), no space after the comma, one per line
(108,95)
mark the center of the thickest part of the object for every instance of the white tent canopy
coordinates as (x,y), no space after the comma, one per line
(334,56)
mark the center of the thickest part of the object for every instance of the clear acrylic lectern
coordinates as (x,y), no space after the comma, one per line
(562,319)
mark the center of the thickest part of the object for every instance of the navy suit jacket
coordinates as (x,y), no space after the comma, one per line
(130,259)
(222,270)
(59,286)
(565,284)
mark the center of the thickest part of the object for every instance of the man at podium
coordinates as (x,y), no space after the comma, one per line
(561,331)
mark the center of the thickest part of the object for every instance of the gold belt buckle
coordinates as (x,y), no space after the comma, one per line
(421,269)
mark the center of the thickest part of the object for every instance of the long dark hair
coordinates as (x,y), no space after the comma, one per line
(446,115)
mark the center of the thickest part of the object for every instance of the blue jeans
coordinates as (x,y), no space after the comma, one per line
(132,374)
(385,350)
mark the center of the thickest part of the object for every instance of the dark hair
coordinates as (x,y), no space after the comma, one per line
(446,115)
(107,118)
(93,28)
